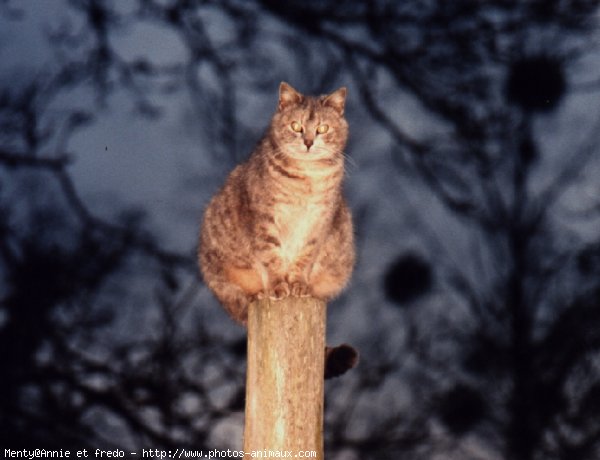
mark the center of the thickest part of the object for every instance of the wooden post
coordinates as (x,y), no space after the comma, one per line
(284,382)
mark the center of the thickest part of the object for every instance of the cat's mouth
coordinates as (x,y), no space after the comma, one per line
(312,151)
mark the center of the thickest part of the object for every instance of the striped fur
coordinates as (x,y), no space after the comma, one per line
(280,225)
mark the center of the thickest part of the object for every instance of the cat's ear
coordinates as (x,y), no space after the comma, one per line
(288,96)
(336,100)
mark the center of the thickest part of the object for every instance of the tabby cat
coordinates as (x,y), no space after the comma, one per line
(280,225)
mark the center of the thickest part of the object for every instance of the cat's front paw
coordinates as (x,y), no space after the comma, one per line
(280,291)
(299,289)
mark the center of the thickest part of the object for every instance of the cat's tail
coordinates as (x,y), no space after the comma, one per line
(339,360)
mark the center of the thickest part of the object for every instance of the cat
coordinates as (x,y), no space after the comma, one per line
(280,225)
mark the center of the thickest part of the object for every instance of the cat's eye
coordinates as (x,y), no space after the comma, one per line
(322,129)
(296,126)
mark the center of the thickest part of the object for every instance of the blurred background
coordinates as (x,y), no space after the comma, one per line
(473,178)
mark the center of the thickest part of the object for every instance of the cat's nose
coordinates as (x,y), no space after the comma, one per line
(308,143)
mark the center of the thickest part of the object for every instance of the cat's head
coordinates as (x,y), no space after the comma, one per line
(308,127)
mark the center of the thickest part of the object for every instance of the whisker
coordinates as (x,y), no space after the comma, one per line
(340,155)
